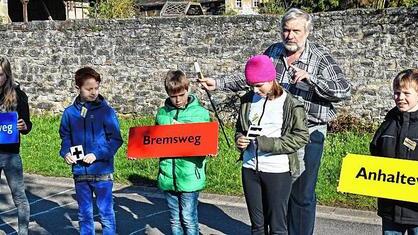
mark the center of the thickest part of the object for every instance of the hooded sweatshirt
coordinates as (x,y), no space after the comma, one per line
(97,130)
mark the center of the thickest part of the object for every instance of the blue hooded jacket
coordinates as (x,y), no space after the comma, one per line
(98,132)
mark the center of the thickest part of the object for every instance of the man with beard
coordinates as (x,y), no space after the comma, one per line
(308,72)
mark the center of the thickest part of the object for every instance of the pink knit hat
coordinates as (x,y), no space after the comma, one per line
(258,69)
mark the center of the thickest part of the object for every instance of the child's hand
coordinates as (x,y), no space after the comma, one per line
(70,159)
(89,158)
(21,125)
(242,142)
(176,122)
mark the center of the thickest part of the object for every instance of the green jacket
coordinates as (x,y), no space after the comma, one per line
(294,134)
(182,174)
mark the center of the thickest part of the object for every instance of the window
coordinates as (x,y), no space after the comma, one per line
(238,3)
(256,3)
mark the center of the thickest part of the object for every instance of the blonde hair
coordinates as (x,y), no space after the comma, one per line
(176,81)
(405,78)
(9,100)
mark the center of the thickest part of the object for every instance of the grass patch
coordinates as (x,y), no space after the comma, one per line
(337,146)
(40,153)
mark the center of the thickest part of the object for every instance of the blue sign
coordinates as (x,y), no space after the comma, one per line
(9,133)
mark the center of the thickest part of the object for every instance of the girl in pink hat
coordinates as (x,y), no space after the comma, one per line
(271,127)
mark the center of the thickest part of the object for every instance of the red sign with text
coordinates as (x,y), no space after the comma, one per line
(179,140)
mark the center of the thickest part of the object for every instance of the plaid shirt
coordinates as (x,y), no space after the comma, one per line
(326,84)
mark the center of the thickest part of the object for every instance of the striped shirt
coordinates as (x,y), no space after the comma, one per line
(327,82)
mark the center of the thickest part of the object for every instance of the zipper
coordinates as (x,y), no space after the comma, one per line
(84,129)
(176,116)
(174,160)
(174,174)
(196,171)
(85,143)
(92,131)
(256,146)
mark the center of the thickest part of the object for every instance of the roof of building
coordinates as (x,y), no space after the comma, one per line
(172,8)
(162,2)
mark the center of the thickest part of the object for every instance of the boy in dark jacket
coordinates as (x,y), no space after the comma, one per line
(181,178)
(91,125)
(397,137)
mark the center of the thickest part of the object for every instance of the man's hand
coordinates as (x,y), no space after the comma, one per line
(299,74)
(242,142)
(89,158)
(70,159)
(21,125)
(208,83)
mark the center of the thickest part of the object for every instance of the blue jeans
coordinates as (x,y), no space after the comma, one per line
(302,201)
(11,164)
(183,212)
(104,201)
(391,228)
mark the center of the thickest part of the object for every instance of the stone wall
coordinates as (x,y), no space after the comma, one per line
(133,55)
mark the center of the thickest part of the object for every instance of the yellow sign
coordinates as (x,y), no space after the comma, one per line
(379,177)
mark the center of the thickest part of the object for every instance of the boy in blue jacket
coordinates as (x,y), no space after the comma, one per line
(93,124)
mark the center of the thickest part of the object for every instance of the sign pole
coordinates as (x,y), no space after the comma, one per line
(200,75)
(25,10)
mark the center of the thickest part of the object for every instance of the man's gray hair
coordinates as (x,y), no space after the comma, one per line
(295,13)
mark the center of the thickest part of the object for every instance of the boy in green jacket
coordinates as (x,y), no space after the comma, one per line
(181,178)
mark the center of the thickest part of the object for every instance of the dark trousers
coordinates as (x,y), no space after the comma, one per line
(302,202)
(267,195)
(392,228)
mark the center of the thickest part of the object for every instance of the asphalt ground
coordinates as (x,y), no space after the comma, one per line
(141,210)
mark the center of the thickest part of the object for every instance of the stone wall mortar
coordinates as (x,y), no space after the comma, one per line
(133,55)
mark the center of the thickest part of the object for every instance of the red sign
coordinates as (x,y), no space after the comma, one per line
(179,140)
